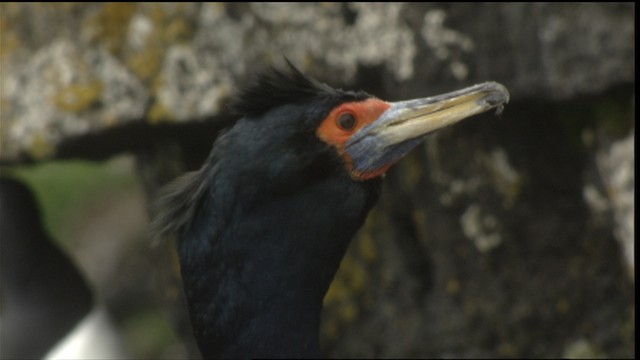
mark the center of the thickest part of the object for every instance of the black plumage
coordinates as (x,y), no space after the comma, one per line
(264,224)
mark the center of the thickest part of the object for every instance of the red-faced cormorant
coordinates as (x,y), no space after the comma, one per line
(263,224)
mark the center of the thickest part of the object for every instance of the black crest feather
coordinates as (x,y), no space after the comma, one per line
(276,87)
(180,200)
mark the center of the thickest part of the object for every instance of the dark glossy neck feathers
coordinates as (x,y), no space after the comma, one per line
(255,281)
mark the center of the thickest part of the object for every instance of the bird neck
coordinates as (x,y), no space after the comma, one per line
(255,281)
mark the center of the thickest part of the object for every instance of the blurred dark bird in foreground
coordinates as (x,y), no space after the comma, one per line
(47,306)
(263,225)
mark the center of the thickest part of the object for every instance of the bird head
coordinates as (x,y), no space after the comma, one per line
(300,127)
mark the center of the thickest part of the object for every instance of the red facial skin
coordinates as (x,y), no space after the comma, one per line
(330,130)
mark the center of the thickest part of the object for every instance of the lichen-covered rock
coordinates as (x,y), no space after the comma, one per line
(66,91)
(70,69)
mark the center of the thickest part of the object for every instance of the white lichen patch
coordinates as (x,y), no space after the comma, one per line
(445,43)
(140,29)
(616,165)
(597,202)
(504,177)
(582,349)
(61,92)
(481,229)
(190,90)
(304,32)
(497,173)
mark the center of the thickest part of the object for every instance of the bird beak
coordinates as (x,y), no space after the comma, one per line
(403,126)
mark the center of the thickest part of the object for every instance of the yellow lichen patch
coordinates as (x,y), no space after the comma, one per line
(348,312)
(342,296)
(351,279)
(168,28)
(77,98)
(111,120)
(347,294)
(367,248)
(171,26)
(337,292)
(178,31)
(111,24)
(355,274)
(9,40)
(159,113)
(146,63)
(40,147)
(157,13)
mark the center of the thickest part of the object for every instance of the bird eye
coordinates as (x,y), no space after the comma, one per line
(347,121)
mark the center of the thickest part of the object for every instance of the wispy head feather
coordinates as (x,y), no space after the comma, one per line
(178,202)
(276,87)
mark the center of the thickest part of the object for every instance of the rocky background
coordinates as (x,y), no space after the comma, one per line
(503,236)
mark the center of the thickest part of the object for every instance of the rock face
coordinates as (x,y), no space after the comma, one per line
(503,236)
